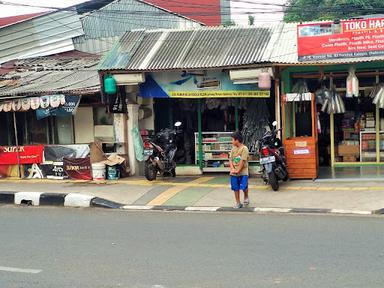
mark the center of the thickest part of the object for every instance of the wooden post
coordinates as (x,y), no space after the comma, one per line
(17,145)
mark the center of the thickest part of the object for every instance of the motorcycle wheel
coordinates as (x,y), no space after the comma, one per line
(286,178)
(150,171)
(273,181)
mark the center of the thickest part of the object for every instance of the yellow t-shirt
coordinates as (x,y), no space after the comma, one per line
(237,154)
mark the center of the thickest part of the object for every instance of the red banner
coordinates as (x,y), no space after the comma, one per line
(27,154)
(78,168)
(344,39)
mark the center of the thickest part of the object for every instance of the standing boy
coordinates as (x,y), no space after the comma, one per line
(238,160)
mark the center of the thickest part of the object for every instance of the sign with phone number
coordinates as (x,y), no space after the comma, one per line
(344,39)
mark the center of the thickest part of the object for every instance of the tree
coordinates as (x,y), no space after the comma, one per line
(251,20)
(310,10)
(229,23)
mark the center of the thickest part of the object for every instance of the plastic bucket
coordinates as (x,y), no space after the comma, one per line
(98,171)
(113,173)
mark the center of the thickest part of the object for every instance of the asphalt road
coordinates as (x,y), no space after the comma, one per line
(105,248)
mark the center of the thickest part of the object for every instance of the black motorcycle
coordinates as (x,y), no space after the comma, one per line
(272,158)
(160,153)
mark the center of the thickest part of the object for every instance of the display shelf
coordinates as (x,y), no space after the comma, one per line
(368,145)
(220,138)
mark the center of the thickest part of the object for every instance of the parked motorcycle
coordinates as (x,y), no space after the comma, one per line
(160,153)
(272,158)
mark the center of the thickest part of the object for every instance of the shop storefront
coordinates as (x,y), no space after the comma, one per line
(342,68)
(50,121)
(213,80)
(211,105)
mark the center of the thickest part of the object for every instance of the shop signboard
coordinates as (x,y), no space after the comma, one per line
(342,39)
(27,154)
(208,84)
(78,168)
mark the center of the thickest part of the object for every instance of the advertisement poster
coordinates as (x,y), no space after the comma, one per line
(344,39)
(27,154)
(67,109)
(197,85)
(57,153)
(78,168)
(53,171)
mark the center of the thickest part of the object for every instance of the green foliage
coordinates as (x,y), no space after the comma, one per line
(310,10)
(229,23)
(251,20)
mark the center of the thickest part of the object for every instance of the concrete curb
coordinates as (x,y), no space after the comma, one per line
(255,210)
(55,199)
(82,200)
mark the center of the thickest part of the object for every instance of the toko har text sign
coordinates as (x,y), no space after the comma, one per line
(343,39)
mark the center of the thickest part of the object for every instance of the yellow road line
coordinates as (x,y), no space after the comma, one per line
(202,180)
(169,193)
(166,195)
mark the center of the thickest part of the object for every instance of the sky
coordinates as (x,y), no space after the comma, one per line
(264,11)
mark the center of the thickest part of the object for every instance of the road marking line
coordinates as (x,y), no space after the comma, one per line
(137,207)
(277,210)
(341,211)
(166,195)
(19,270)
(210,209)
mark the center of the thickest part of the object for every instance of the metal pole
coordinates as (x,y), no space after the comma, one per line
(199,127)
(378,152)
(17,145)
(332,124)
(237,115)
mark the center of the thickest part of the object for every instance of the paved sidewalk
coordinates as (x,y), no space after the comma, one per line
(214,191)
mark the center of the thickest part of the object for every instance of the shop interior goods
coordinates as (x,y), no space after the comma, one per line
(255,122)
(216,149)
(377,94)
(352,84)
(333,103)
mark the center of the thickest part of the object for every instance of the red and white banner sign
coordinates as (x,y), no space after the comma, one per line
(78,168)
(27,154)
(346,39)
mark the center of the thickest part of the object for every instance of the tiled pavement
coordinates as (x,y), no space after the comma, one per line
(214,190)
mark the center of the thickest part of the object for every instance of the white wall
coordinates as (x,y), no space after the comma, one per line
(83,123)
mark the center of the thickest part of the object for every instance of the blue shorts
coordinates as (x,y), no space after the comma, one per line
(239,183)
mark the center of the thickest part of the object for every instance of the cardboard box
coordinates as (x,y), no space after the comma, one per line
(349,150)
(349,159)
(336,150)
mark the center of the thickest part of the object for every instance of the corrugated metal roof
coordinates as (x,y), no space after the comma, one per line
(5,21)
(49,75)
(285,50)
(94,46)
(47,34)
(190,49)
(115,18)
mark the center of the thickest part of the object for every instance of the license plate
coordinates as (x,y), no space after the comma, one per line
(148,152)
(267,160)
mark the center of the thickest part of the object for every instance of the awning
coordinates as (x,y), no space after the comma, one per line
(56,105)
